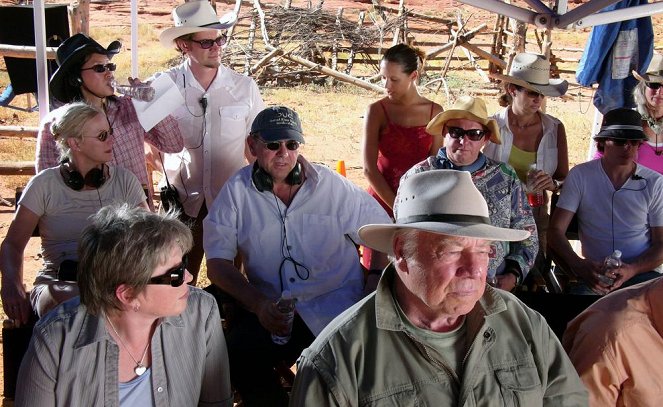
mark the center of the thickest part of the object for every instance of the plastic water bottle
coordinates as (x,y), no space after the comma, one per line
(535,198)
(142,91)
(285,304)
(610,264)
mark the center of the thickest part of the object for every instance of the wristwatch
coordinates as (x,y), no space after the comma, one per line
(558,185)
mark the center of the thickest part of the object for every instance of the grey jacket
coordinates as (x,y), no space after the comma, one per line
(365,357)
(72,360)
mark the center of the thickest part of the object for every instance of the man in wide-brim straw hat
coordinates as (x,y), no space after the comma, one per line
(219,107)
(619,206)
(459,134)
(433,331)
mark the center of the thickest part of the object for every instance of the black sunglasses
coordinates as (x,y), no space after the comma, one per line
(207,44)
(291,145)
(622,143)
(103,135)
(101,68)
(472,134)
(654,85)
(530,93)
(173,277)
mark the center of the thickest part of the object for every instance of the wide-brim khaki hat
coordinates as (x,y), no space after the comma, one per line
(195,16)
(532,71)
(439,201)
(654,70)
(470,108)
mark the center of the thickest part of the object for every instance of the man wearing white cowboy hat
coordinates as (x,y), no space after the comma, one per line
(433,331)
(460,133)
(220,106)
(619,205)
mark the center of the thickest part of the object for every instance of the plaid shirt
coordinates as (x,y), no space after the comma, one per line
(507,206)
(129,138)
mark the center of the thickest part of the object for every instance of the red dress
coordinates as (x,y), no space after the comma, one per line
(399,149)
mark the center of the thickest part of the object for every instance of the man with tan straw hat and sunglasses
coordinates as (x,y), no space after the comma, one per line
(459,134)
(434,334)
(219,107)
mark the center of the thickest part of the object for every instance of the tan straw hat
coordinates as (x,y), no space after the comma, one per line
(532,71)
(195,16)
(466,107)
(439,201)
(654,70)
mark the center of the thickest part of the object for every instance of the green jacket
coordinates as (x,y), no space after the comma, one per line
(365,357)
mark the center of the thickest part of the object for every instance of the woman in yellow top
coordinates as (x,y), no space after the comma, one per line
(530,136)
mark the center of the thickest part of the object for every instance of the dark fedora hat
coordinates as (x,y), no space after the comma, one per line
(621,124)
(69,55)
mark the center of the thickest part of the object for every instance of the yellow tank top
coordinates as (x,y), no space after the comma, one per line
(520,161)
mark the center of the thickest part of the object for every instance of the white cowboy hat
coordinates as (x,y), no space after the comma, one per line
(532,71)
(654,70)
(195,16)
(470,108)
(439,201)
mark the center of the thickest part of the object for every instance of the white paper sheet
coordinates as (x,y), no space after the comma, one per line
(167,98)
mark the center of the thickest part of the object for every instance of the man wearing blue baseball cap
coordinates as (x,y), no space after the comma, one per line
(295,226)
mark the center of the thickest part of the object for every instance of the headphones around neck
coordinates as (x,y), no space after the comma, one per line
(95,178)
(264,182)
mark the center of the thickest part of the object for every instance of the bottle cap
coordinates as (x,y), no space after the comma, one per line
(617,253)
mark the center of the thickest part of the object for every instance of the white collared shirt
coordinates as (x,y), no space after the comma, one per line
(214,136)
(321,226)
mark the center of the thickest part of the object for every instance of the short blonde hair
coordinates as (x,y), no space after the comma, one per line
(70,124)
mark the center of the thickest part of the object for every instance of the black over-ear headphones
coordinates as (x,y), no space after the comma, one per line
(95,178)
(264,182)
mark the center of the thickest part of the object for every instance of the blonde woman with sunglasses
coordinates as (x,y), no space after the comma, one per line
(138,335)
(59,202)
(85,73)
(529,136)
(648,96)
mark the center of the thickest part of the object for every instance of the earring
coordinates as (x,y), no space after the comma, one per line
(136,307)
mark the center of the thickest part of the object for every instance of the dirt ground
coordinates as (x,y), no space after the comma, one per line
(157,14)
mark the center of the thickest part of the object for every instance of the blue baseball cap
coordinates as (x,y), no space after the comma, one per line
(277,123)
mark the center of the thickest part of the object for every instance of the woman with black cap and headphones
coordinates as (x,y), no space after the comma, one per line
(59,201)
(85,73)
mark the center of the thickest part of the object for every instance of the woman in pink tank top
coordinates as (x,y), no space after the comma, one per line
(395,135)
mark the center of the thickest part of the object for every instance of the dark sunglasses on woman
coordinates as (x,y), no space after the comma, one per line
(101,68)
(654,85)
(173,277)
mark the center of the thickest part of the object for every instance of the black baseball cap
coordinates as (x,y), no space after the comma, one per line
(277,123)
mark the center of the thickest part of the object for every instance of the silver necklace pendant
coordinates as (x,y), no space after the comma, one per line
(139,369)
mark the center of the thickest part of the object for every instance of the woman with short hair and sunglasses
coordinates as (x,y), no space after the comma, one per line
(59,201)
(530,136)
(85,73)
(138,335)
(648,96)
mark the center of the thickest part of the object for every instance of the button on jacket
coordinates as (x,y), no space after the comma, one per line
(365,357)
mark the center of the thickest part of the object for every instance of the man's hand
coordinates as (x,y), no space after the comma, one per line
(589,271)
(506,282)
(272,319)
(622,275)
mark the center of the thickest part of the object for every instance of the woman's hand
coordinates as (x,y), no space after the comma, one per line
(15,301)
(543,181)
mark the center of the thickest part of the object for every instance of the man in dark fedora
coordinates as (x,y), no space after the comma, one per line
(434,334)
(619,206)
(85,73)
(219,107)
(459,134)
(294,224)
